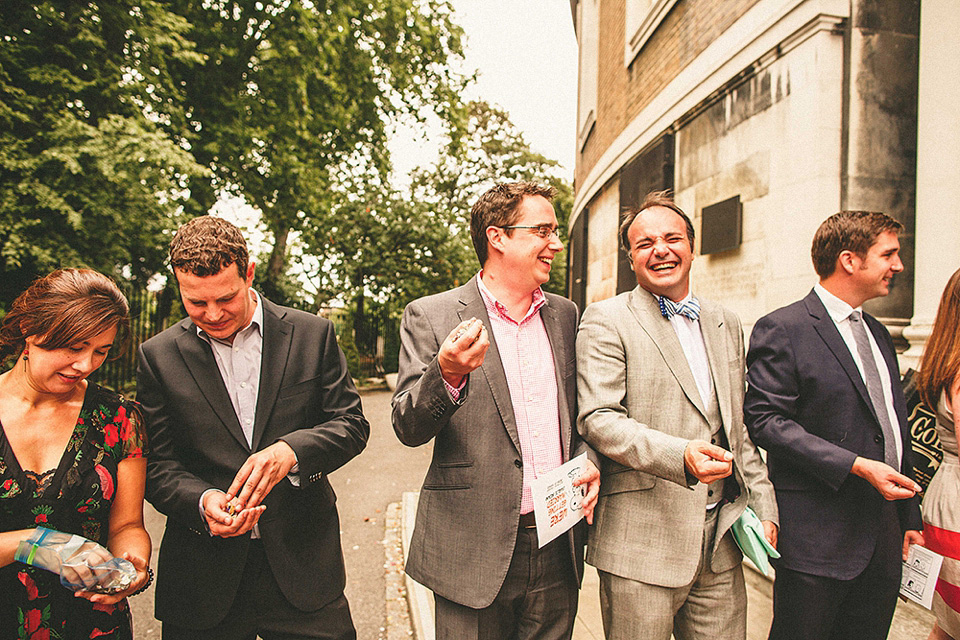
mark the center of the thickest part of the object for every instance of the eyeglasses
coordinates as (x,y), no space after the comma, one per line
(543,231)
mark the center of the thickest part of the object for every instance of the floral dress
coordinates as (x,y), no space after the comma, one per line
(73,498)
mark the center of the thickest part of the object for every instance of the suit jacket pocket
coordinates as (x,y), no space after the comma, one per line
(450,475)
(626,480)
(298,387)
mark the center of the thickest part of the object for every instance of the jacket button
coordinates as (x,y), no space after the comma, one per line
(518,464)
(877,439)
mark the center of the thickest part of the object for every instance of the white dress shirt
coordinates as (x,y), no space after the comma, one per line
(691,341)
(840,314)
(239,366)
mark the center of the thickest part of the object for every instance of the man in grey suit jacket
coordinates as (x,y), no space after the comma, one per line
(487,371)
(661,382)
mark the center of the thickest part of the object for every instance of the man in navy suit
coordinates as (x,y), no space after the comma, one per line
(824,399)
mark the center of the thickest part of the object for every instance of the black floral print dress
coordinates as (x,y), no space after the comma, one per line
(73,498)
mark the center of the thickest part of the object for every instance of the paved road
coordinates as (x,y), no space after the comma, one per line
(365,486)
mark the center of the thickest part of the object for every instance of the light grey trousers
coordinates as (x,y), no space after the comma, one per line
(712,607)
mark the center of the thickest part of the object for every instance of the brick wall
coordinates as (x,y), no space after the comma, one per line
(623,92)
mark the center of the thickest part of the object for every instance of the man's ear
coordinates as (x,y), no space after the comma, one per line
(495,238)
(848,261)
(251,269)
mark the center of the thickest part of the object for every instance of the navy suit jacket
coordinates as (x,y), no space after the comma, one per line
(807,405)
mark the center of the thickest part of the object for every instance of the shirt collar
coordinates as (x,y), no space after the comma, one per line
(837,308)
(256,321)
(678,302)
(539,299)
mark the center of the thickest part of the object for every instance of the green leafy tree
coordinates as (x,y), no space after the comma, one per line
(294,96)
(88,175)
(389,247)
(490,149)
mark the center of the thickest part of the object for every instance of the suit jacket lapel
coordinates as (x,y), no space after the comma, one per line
(715,336)
(555,335)
(827,329)
(492,368)
(277,336)
(199,358)
(647,312)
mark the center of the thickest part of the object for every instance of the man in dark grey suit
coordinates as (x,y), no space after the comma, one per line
(824,400)
(249,406)
(488,371)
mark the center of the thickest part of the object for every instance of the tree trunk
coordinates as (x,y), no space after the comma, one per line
(272,282)
(278,256)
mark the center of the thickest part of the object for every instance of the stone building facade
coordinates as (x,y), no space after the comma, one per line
(765,117)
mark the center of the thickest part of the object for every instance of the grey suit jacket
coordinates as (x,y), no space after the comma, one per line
(639,407)
(469,509)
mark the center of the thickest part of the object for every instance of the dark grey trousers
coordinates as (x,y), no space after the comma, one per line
(538,599)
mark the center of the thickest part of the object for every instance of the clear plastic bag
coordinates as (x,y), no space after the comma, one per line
(82,564)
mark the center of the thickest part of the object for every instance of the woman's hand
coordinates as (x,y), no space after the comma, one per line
(112,598)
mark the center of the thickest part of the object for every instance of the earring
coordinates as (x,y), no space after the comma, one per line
(26,355)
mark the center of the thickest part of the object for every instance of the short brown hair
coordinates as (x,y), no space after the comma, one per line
(653,199)
(940,363)
(207,245)
(854,231)
(63,308)
(498,208)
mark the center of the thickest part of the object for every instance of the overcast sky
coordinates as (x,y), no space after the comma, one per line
(526,55)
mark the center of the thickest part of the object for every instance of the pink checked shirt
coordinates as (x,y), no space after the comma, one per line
(527,361)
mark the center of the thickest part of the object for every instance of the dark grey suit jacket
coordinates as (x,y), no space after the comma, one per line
(807,405)
(307,399)
(469,507)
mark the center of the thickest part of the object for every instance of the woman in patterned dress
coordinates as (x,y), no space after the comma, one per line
(71,455)
(939,384)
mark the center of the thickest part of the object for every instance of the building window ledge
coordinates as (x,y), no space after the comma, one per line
(641,26)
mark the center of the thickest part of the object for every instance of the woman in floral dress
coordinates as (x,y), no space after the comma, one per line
(71,455)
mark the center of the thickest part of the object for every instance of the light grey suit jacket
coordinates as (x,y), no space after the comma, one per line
(469,509)
(639,407)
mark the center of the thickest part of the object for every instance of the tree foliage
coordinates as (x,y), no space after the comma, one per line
(87,173)
(490,149)
(295,96)
(391,246)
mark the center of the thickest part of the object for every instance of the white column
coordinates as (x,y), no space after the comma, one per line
(938,169)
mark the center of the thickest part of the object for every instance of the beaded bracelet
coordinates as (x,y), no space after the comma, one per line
(145,584)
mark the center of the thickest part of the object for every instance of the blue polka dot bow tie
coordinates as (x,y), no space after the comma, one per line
(689,308)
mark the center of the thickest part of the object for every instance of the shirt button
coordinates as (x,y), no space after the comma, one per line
(248,420)
(536,434)
(243,385)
